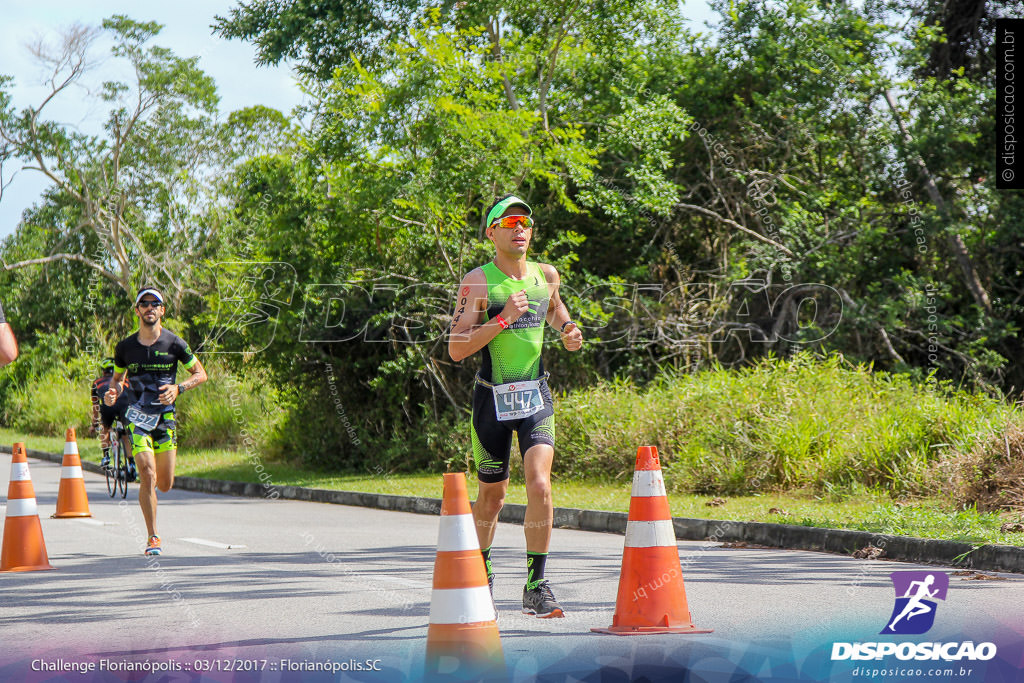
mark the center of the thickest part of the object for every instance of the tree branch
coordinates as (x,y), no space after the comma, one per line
(727,221)
(956,242)
(494,31)
(66,257)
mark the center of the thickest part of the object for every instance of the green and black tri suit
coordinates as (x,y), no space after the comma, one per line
(512,356)
(149,367)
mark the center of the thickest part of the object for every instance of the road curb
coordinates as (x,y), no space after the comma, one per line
(1003,558)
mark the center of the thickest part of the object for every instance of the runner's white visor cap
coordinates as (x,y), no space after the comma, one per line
(159,297)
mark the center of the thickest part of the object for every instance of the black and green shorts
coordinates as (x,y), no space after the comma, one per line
(160,439)
(492,440)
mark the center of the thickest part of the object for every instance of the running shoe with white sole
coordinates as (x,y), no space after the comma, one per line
(541,601)
(153,546)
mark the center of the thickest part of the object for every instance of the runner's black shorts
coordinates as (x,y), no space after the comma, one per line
(492,440)
(109,413)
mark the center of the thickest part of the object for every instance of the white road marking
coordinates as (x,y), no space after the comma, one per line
(94,522)
(212,544)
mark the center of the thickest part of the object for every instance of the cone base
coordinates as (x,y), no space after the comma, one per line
(464,652)
(475,640)
(66,515)
(644,630)
(33,568)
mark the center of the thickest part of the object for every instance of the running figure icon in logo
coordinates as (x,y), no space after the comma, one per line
(914,611)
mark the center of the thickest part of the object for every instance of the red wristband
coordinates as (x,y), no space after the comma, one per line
(502,322)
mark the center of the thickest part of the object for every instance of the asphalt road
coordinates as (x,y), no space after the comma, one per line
(255,579)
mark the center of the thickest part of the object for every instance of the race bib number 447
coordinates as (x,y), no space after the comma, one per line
(517,400)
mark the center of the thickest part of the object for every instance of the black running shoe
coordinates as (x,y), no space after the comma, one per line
(540,601)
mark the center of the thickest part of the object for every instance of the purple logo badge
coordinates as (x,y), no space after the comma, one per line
(916,592)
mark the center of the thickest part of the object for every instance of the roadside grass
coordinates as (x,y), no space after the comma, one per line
(779,424)
(853,508)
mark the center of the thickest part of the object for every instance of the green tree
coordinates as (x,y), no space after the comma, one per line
(138,190)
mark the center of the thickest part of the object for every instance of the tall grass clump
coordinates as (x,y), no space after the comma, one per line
(47,390)
(50,403)
(988,478)
(45,398)
(779,424)
(219,411)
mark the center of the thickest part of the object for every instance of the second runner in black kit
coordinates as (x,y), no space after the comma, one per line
(150,357)
(501,309)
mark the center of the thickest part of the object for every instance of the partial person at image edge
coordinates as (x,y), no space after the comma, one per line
(8,344)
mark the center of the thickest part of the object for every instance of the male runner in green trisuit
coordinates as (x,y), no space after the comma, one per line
(501,308)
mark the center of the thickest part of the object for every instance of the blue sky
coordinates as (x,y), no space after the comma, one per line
(186,31)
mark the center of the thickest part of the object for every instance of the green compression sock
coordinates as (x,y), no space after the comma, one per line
(486,552)
(535,568)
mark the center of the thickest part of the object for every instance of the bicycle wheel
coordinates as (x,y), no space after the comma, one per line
(122,467)
(111,472)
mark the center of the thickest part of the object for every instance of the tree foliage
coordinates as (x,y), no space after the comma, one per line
(809,175)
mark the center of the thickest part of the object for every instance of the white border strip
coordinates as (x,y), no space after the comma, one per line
(648,483)
(21,507)
(19,471)
(650,534)
(212,544)
(71,472)
(457,532)
(461,605)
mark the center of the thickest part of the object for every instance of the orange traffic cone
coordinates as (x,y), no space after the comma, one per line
(71,498)
(652,598)
(462,639)
(23,546)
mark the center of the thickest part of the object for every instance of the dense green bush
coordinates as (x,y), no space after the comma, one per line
(805,422)
(50,404)
(324,426)
(47,390)
(780,424)
(216,413)
(46,398)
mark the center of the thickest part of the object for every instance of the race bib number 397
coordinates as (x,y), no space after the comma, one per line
(143,420)
(517,400)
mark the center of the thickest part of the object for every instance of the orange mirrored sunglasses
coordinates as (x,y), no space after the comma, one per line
(511,222)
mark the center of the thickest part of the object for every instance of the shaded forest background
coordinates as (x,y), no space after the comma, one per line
(804,177)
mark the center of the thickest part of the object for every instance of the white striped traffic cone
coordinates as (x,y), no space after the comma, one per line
(23,546)
(71,498)
(462,639)
(652,597)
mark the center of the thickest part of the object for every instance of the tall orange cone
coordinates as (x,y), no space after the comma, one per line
(23,546)
(462,639)
(652,597)
(71,498)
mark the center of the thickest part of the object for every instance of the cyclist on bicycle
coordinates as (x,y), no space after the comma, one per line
(103,416)
(151,356)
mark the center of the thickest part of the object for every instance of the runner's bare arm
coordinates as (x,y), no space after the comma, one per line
(110,398)
(169,392)
(8,344)
(467,335)
(197,376)
(558,314)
